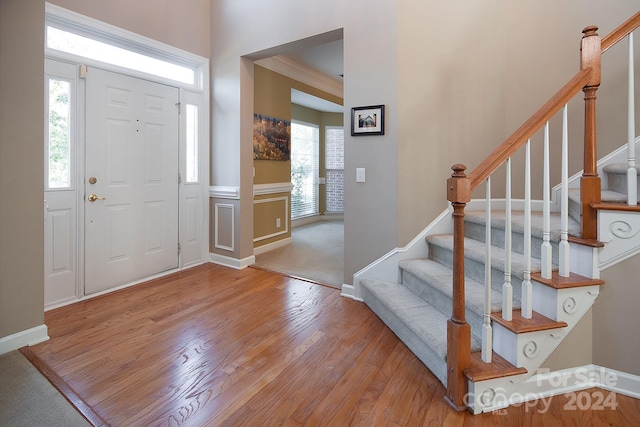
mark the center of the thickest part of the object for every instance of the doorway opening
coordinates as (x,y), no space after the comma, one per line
(309,189)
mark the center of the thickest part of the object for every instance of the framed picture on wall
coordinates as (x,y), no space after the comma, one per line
(271,138)
(367,120)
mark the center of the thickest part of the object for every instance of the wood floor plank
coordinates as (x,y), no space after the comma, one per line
(216,346)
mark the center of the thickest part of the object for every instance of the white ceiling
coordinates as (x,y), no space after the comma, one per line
(327,59)
(310,101)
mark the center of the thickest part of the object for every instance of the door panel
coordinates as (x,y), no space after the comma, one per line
(131,228)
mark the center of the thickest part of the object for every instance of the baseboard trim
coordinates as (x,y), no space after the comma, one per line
(24,338)
(588,376)
(236,263)
(349,291)
(271,246)
(575,380)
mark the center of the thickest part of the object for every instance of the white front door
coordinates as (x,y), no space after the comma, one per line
(131,180)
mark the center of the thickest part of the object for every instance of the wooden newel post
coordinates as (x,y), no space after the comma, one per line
(590,187)
(458,330)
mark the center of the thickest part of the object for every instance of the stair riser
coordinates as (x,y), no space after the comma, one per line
(618,182)
(440,301)
(575,211)
(477,232)
(475,270)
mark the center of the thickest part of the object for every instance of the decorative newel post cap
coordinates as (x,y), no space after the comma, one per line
(589,31)
(458,170)
(458,186)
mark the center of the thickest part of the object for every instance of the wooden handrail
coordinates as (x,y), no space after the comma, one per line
(621,32)
(530,127)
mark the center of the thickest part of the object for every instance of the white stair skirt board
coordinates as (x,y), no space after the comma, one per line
(535,393)
(349,291)
(31,336)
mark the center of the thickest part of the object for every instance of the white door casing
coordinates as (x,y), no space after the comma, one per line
(131,230)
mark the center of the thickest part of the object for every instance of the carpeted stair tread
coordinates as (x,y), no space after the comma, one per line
(619,168)
(440,277)
(517,222)
(475,250)
(606,196)
(613,197)
(416,322)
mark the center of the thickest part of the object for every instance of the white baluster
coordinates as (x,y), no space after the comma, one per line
(487,336)
(507,289)
(632,176)
(526,282)
(564,202)
(546,255)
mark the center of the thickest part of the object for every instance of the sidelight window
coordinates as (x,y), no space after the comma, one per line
(59,134)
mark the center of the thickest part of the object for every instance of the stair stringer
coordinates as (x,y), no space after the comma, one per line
(531,349)
(386,267)
(618,230)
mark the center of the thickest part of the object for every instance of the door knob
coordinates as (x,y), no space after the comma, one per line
(92,197)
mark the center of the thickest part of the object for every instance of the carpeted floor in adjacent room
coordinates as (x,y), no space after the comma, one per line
(315,253)
(28,399)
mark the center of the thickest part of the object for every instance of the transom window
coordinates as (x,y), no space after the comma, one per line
(75,44)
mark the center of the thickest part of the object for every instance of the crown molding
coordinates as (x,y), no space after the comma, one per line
(287,67)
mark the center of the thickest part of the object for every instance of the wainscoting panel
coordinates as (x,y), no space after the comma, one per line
(276,208)
(224,226)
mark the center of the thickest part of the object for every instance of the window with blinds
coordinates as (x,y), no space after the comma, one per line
(305,142)
(334,165)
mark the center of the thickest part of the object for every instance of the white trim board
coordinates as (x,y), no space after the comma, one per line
(573,382)
(236,263)
(31,336)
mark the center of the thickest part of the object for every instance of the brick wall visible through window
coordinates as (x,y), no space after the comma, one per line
(334,163)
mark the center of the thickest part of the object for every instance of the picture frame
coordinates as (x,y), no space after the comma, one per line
(367,120)
(271,138)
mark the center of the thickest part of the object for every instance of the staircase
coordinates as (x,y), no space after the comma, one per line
(484,317)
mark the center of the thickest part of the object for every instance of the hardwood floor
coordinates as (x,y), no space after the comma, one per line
(216,346)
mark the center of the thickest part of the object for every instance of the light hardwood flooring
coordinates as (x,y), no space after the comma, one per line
(215,346)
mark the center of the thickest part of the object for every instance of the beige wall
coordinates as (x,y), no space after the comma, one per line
(576,349)
(21,166)
(616,340)
(491,66)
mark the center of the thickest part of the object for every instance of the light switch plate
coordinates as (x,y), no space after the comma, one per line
(360,175)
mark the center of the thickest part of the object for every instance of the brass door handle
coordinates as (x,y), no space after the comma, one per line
(92,197)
